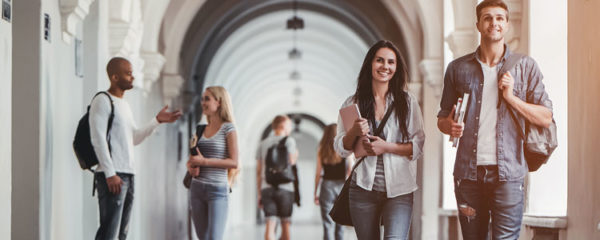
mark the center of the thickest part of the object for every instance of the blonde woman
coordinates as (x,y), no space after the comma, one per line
(217,153)
(334,170)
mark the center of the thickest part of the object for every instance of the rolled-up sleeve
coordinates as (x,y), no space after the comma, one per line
(338,143)
(536,91)
(449,96)
(415,128)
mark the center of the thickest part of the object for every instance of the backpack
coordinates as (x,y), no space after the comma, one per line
(538,142)
(82,144)
(277,164)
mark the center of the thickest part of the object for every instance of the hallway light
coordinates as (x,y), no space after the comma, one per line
(295,75)
(295,22)
(297,91)
(295,54)
(297,124)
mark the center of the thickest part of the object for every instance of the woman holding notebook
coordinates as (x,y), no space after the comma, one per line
(214,166)
(390,129)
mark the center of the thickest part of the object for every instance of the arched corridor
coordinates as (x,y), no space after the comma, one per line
(53,60)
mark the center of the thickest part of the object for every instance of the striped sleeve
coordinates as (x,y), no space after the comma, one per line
(228,127)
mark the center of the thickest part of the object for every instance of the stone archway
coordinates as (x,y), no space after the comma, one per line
(422,40)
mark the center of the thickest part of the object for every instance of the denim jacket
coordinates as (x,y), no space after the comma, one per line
(464,75)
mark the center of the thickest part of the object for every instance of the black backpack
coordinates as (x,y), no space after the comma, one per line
(82,145)
(277,164)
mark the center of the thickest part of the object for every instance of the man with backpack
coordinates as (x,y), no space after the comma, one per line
(276,156)
(113,143)
(505,92)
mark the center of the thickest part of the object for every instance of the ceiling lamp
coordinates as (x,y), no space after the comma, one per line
(295,75)
(295,22)
(295,54)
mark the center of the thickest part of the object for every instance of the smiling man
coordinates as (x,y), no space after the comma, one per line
(114,148)
(490,167)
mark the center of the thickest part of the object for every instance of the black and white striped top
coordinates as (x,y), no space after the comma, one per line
(379,181)
(215,147)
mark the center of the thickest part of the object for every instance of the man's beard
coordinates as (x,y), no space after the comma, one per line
(495,38)
(126,86)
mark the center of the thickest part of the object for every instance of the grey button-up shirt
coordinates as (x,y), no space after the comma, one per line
(464,75)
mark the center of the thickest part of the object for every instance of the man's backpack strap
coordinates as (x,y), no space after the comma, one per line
(111,117)
(282,141)
(510,63)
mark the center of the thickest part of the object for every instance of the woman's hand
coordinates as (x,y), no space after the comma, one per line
(194,171)
(316,200)
(359,128)
(196,160)
(374,147)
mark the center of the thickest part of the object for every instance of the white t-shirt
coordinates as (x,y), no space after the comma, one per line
(124,134)
(486,136)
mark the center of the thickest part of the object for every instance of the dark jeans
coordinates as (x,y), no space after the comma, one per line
(370,209)
(114,209)
(488,197)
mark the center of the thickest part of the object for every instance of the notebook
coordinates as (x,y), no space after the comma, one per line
(459,115)
(349,115)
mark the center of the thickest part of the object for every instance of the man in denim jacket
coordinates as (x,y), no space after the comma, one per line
(490,166)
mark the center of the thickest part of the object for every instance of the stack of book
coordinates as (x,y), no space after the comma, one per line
(459,114)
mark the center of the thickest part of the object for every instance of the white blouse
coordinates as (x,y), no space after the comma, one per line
(400,171)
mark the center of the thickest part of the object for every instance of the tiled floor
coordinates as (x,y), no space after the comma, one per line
(300,231)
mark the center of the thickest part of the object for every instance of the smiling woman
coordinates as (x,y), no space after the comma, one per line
(381,188)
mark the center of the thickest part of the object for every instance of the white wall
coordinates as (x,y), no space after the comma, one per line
(548,46)
(5,127)
(62,208)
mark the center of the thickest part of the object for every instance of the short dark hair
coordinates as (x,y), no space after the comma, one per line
(113,66)
(278,120)
(490,3)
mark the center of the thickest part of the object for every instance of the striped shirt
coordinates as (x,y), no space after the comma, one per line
(379,181)
(215,147)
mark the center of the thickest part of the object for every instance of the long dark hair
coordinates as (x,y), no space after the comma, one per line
(364,89)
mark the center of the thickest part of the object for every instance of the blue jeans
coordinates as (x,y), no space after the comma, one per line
(488,197)
(114,209)
(209,209)
(330,189)
(370,209)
